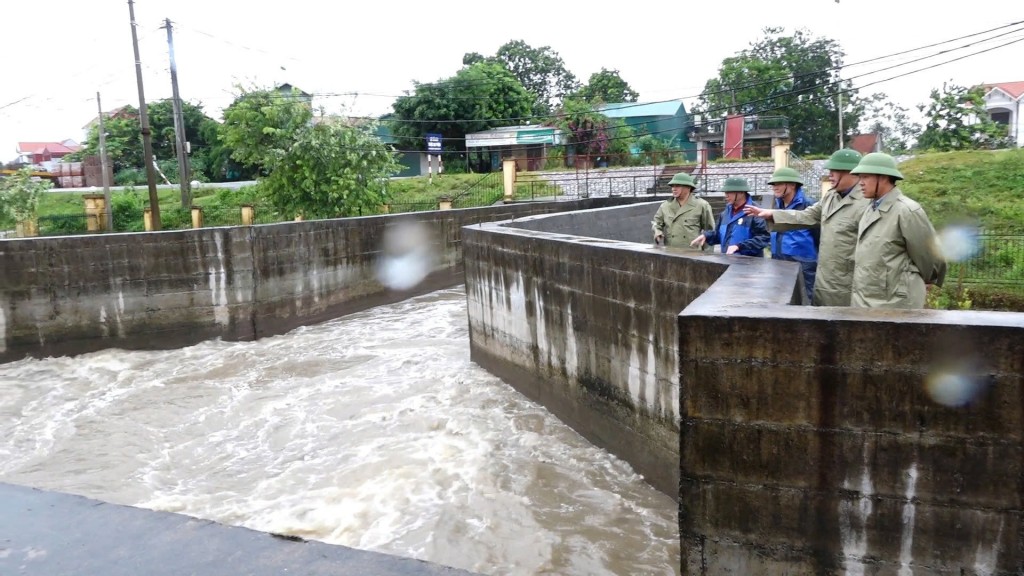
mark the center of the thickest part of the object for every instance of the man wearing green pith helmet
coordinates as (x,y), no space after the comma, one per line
(683,217)
(838,215)
(897,253)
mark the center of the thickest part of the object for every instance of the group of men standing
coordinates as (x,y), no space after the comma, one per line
(864,244)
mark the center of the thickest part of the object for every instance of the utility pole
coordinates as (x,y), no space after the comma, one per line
(840,95)
(147,135)
(179,125)
(103,167)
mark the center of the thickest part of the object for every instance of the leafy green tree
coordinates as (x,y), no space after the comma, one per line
(540,70)
(795,76)
(480,96)
(261,124)
(591,134)
(606,86)
(471,58)
(201,132)
(330,170)
(19,194)
(124,137)
(891,121)
(956,119)
(123,141)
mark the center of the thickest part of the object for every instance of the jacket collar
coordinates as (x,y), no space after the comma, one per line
(872,215)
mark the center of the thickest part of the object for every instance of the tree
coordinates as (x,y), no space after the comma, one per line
(201,133)
(123,140)
(261,124)
(330,170)
(124,136)
(794,76)
(471,58)
(606,86)
(540,70)
(481,96)
(19,194)
(957,120)
(591,134)
(891,121)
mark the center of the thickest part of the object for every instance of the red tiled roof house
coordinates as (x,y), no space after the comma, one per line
(1003,101)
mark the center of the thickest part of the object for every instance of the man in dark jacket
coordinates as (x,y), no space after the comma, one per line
(737,232)
(795,245)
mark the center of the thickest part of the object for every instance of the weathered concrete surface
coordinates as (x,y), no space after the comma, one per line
(70,295)
(810,440)
(53,534)
(586,326)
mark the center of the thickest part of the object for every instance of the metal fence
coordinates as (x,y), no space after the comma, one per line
(999,260)
(997,257)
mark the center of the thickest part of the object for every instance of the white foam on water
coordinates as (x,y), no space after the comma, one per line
(373,431)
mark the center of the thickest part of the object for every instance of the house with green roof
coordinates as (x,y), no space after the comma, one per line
(666,121)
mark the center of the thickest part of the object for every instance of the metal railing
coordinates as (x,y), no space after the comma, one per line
(750,124)
(999,260)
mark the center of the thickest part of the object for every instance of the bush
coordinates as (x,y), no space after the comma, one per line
(63,224)
(127,211)
(130,177)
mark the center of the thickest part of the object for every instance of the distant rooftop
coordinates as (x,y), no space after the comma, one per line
(1014,89)
(635,109)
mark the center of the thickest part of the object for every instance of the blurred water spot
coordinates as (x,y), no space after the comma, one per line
(959,242)
(408,255)
(954,387)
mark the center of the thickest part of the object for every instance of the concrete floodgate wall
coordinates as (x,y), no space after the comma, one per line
(69,295)
(806,440)
(586,324)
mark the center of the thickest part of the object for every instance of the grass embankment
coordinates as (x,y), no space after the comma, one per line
(984,189)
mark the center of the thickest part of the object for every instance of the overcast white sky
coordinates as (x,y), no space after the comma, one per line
(60,53)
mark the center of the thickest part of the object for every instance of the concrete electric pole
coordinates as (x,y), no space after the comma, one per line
(103,168)
(147,135)
(184,175)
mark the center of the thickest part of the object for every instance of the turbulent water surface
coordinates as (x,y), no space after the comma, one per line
(373,431)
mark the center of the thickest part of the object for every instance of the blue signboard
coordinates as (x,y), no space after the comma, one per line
(433,142)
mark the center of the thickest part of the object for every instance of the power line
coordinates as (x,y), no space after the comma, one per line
(812,99)
(447,83)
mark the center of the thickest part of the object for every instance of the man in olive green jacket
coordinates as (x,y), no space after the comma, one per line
(684,217)
(897,249)
(838,215)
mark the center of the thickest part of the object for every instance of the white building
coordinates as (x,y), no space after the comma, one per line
(1003,103)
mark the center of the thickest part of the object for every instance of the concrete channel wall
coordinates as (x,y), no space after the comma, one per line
(75,294)
(799,440)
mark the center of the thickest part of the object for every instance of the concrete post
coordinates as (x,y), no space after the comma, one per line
(780,153)
(248,215)
(95,212)
(508,170)
(444,203)
(147,219)
(197,216)
(26,228)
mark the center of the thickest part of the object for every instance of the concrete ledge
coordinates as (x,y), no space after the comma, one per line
(810,440)
(52,534)
(160,290)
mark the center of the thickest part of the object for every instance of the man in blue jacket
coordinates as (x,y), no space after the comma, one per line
(737,232)
(795,245)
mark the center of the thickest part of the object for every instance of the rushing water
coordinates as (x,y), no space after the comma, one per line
(373,431)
